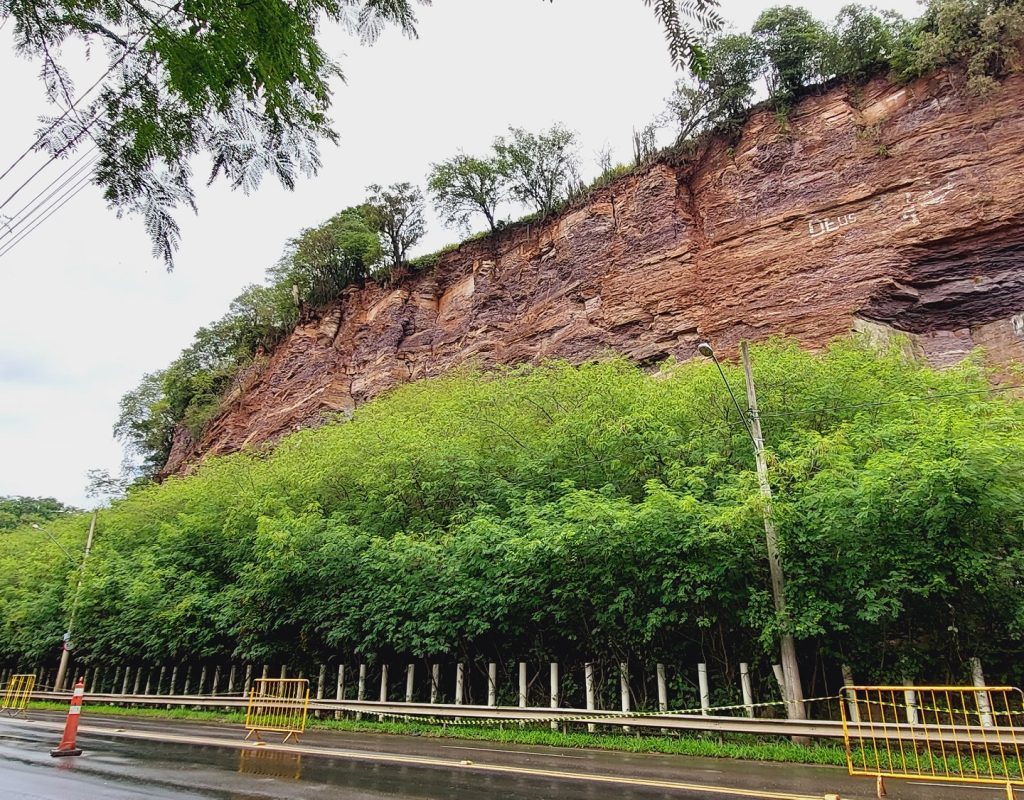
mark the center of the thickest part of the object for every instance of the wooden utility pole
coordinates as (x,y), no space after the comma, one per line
(790,666)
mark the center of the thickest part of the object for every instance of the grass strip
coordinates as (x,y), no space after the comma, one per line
(737,746)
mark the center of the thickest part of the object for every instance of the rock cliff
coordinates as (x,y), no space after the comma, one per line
(881,207)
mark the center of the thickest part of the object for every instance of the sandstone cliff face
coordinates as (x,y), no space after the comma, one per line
(883,207)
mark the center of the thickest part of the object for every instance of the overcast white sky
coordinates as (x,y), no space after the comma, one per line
(84,308)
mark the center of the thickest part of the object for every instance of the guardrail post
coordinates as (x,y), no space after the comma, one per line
(266,672)
(748,692)
(435,681)
(492,684)
(138,680)
(124,685)
(149,680)
(383,683)
(588,682)
(410,681)
(231,678)
(705,694)
(624,692)
(555,693)
(522,684)
(202,680)
(247,685)
(984,707)
(460,683)
(95,680)
(216,681)
(284,672)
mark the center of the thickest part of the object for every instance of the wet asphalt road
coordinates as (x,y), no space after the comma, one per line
(348,767)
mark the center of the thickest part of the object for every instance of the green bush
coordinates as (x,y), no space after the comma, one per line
(575,513)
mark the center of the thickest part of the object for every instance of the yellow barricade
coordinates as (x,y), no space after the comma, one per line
(17,693)
(278,705)
(965,734)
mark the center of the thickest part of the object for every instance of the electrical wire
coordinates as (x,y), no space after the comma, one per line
(25,213)
(68,195)
(131,48)
(919,399)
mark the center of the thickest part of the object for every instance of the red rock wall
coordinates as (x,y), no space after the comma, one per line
(881,207)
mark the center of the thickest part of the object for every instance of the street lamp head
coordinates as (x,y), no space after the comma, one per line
(705,350)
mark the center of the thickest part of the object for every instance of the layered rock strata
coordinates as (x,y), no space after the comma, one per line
(883,207)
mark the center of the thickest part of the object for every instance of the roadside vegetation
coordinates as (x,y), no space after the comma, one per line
(573,514)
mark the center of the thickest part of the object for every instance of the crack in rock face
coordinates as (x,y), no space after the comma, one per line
(955,283)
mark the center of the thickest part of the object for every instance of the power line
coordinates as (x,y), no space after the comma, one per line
(68,195)
(25,213)
(130,48)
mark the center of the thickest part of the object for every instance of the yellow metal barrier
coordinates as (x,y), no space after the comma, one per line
(278,705)
(17,693)
(966,734)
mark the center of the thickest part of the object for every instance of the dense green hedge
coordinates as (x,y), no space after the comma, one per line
(574,512)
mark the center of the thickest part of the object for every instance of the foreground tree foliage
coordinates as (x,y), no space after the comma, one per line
(575,513)
(247,84)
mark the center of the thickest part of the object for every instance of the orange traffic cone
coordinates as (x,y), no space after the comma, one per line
(67,744)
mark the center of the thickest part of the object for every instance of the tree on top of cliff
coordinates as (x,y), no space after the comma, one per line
(397,215)
(246,83)
(721,96)
(466,185)
(322,261)
(793,43)
(540,168)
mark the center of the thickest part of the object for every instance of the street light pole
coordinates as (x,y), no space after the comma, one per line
(793,687)
(65,653)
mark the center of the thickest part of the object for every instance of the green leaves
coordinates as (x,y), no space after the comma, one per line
(578,513)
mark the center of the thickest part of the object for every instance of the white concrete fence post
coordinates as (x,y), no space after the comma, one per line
(410,681)
(361,688)
(588,682)
(780,679)
(662,688)
(705,694)
(852,710)
(748,691)
(320,681)
(984,706)
(435,682)
(910,701)
(492,684)
(127,675)
(383,683)
(460,683)
(339,689)
(624,692)
(202,681)
(522,684)
(556,695)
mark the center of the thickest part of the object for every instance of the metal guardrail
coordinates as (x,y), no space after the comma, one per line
(469,714)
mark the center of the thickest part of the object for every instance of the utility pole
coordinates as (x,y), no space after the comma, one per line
(66,645)
(790,666)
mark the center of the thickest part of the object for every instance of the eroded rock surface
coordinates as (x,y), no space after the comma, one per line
(882,207)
